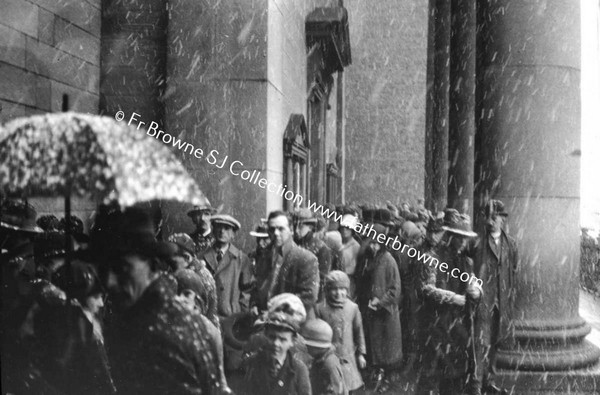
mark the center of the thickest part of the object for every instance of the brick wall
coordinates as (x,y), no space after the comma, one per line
(49,49)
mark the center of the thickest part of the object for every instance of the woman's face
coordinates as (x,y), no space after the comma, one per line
(94,303)
(338,294)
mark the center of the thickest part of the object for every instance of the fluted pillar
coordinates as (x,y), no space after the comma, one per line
(530,138)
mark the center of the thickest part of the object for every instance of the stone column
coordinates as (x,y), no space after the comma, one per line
(530,140)
(436,139)
(461,142)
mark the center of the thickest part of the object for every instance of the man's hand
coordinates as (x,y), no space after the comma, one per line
(459,300)
(474,292)
(362,362)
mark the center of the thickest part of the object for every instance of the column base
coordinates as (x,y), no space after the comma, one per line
(580,381)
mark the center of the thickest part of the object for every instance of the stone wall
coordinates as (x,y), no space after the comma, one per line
(385,100)
(49,49)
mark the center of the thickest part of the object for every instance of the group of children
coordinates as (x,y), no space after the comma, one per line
(332,344)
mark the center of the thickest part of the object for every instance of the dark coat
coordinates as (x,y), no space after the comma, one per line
(321,251)
(201,242)
(378,276)
(348,338)
(299,274)
(444,329)
(292,379)
(234,279)
(497,269)
(158,347)
(326,377)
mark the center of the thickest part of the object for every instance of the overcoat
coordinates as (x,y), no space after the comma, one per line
(299,274)
(326,377)
(321,251)
(497,268)
(444,329)
(378,276)
(292,378)
(158,347)
(233,278)
(348,338)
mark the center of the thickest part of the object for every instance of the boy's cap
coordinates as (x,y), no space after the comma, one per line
(317,333)
(337,279)
(289,304)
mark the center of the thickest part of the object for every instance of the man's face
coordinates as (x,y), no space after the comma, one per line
(263,242)
(374,246)
(128,278)
(201,219)
(346,233)
(302,229)
(458,243)
(223,233)
(280,341)
(279,230)
(94,303)
(493,223)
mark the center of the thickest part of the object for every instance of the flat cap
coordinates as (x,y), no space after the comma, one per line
(226,220)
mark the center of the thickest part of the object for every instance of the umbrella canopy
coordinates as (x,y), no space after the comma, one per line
(88,155)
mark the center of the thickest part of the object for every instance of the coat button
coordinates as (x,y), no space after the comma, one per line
(280,383)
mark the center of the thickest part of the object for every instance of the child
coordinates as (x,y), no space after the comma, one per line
(274,369)
(345,319)
(325,373)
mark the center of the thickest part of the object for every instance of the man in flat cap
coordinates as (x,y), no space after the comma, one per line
(230,267)
(202,235)
(496,262)
(305,223)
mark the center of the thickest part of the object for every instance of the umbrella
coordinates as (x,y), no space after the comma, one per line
(87,155)
(67,154)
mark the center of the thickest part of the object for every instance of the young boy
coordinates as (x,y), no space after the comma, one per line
(345,320)
(274,370)
(326,376)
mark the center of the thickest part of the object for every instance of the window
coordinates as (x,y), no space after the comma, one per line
(295,158)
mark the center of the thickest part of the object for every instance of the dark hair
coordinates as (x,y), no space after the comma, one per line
(279,213)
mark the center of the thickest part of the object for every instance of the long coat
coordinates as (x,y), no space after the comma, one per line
(496,267)
(299,275)
(326,376)
(292,378)
(234,279)
(158,347)
(378,276)
(321,251)
(348,338)
(443,327)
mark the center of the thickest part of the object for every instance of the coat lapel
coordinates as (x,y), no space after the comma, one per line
(228,258)
(211,260)
(493,246)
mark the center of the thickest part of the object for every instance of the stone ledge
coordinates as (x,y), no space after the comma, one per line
(581,381)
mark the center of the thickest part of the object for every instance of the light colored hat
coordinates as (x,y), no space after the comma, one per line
(317,333)
(305,216)
(337,279)
(260,232)
(349,221)
(226,220)
(457,223)
(203,207)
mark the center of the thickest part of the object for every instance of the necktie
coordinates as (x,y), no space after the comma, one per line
(219,255)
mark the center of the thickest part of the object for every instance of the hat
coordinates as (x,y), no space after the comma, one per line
(337,279)
(76,229)
(349,221)
(48,222)
(457,223)
(131,230)
(379,228)
(261,231)
(436,222)
(281,320)
(184,241)
(288,304)
(495,207)
(200,208)
(383,216)
(226,220)
(305,216)
(18,215)
(189,279)
(317,333)
(49,245)
(410,231)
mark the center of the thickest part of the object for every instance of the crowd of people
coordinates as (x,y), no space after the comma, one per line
(314,308)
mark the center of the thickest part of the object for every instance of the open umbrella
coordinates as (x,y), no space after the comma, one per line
(71,154)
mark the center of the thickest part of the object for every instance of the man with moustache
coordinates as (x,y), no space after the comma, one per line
(202,235)
(292,269)
(496,260)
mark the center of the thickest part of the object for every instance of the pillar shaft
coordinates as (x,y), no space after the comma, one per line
(461,115)
(530,132)
(436,152)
